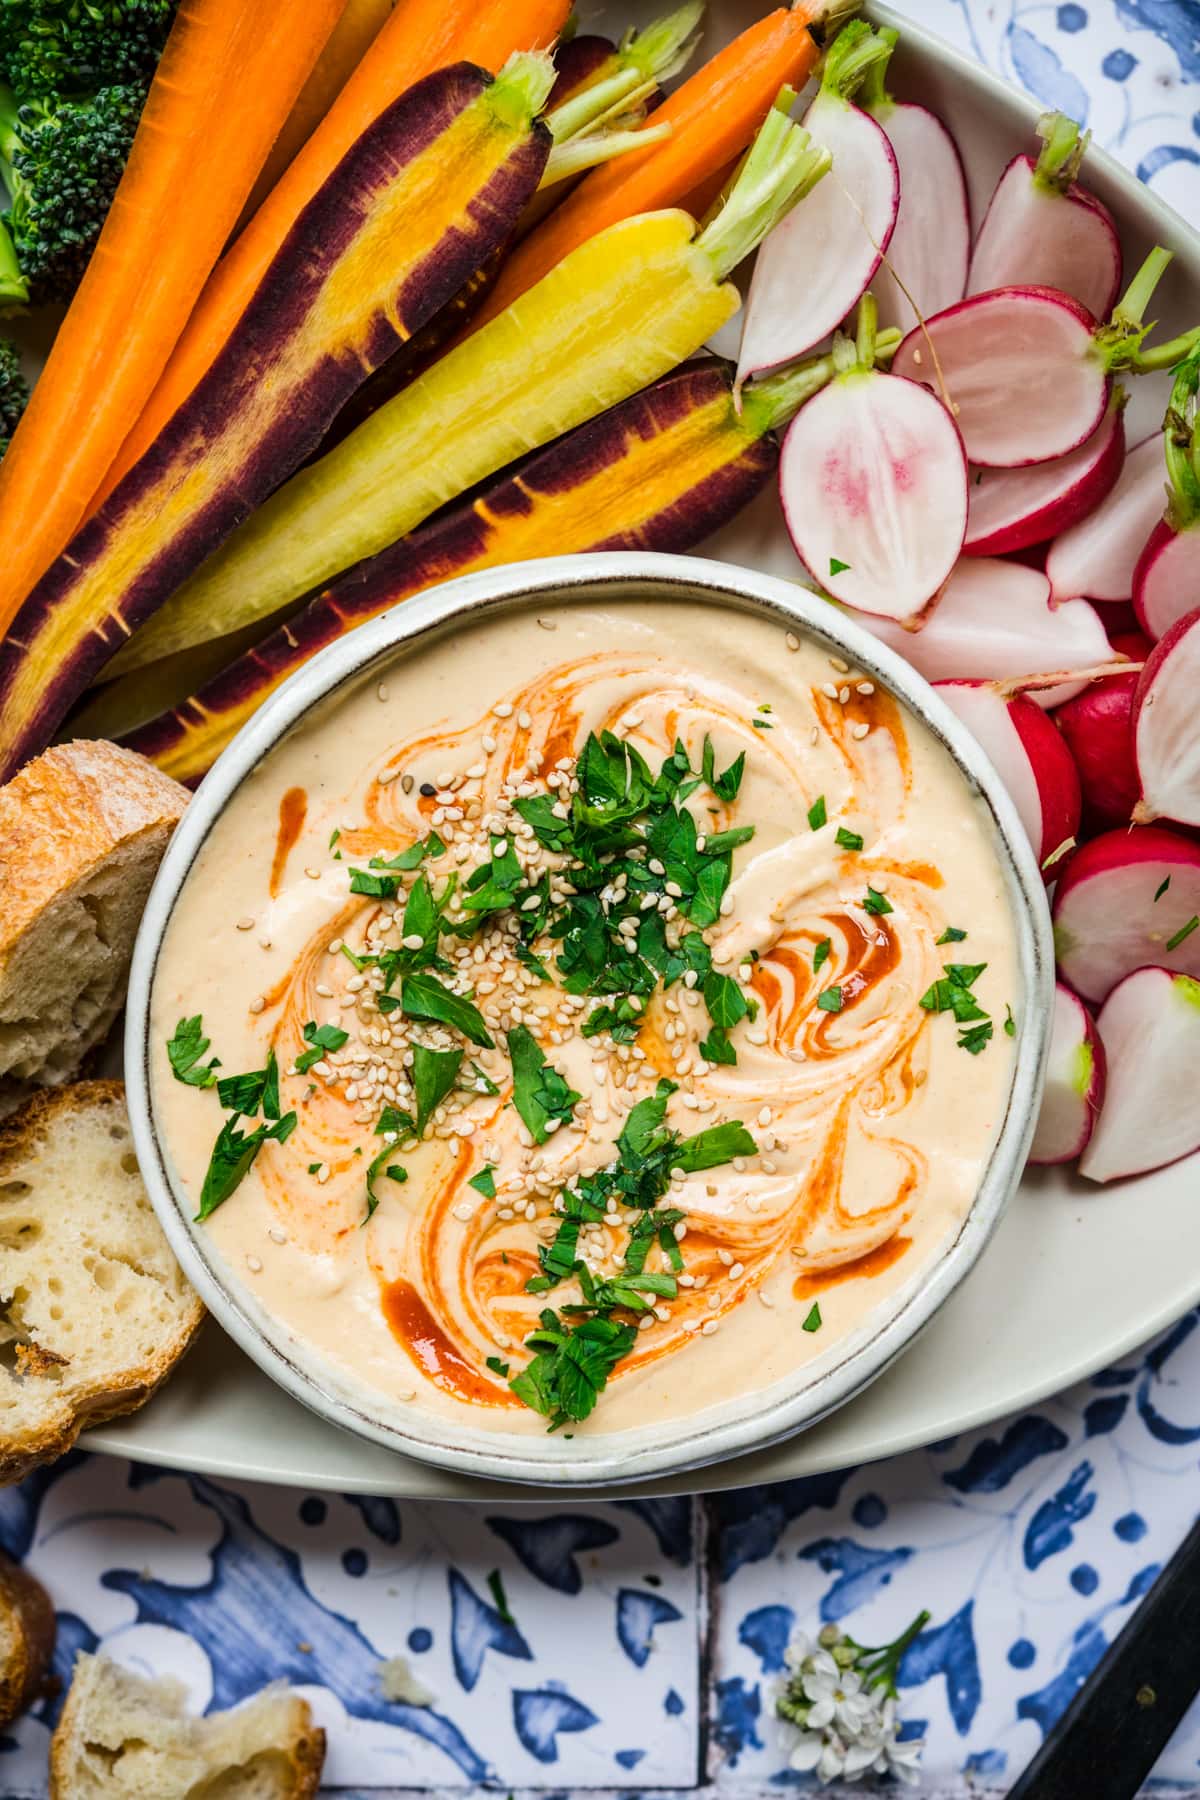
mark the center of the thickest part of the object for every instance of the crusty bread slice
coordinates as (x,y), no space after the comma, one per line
(26,1638)
(94,1310)
(122,1737)
(82,832)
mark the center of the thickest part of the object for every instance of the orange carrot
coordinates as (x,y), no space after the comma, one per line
(347,44)
(712,116)
(227,80)
(416,39)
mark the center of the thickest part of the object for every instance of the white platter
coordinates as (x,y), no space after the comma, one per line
(1075,1275)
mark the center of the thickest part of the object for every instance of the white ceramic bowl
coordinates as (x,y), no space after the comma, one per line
(746,1423)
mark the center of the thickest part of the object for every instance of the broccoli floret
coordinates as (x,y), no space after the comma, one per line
(14,392)
(75,46)
(62,161)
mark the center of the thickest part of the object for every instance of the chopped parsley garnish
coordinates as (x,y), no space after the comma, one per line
(540,1093)
(953,994)
(836,565)
(821,954)
(953,934)
(1185,931)
(232,1155)
(813,1321)
(248,1094)
(393,1171)
(1162,887)
(848,840)
(817,814)
(485,1182)
(876,903)
(496,1585)
(830,1000)
(184,1051)
(334,835)
(433,1075)
(1010,1024)
(497,1367)
(975,1037)
(320,1038)
(423,996)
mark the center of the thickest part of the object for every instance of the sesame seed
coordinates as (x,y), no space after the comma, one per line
(548,624)
(258,1003)
(866,687)
(407,783)
(709,1328)
(524,721)
(765,1115)
(860,731)
(254,1264)
(830,692)
(313,874)
(503,709)
(246,924)
(385,777)
(381,692)
(792,641)
(277,1236)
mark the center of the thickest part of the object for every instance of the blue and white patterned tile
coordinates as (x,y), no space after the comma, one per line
(540,1648)
(1126,68)
(1030,1542)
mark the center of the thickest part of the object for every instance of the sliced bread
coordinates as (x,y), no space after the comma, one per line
(82,832)
(26,1639)
(94,1310)
(122,1737)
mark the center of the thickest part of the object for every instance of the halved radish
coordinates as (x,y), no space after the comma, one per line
(814,268)
(993,621)
(1166,581)
(1150,1029)
(1030,757)
(1095,559)
(1097,725)
(873,481)
(1010,509)
(1042,229)
(931,245)
(1074,1089)
(1166,729)
(1027,371)
(1127,900)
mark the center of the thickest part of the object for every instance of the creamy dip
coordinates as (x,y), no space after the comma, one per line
(872,1122)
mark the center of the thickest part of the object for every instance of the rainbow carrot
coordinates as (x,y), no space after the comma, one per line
(226,81)
(418,38)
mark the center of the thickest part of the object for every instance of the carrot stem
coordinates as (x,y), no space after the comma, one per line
(227,79)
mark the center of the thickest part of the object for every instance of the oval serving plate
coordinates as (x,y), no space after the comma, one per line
(747,1422)
(1015,1331)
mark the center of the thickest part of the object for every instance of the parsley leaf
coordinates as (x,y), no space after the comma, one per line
(821,954)
(485,1182)
(952,935)
(848,840)
(875,902)
(1185,931)
(540,1094)
(716,1047)
(725,786)
(975,1037)
(184,1051)
(394,1172)
(232,1155)
(836,565)
(813,1321)
(1162,887)
(321,1038)
(433,1075)
(817,813)
(423,996)
(830,1000)
(718,1144)
(245,1094)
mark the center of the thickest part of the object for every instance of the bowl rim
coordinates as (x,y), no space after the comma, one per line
(634,1454)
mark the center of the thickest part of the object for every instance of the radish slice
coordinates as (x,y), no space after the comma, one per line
(1074,1091)
(1030,757)
(820,259)
(1166,581)
(993,622)
(1028,371)
(1127,900)
(1042,229)
(1166,735)
(931,245)
(874,484)
(1150,1029)
(1097,725)
(1010,509)
(1096,558)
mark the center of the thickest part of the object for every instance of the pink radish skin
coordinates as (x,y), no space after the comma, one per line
(993,622)
(1010,509)
(821,258)
(1107,922)
(1166,581)
(1042,229)
(1097,725)
(1075,1081)
(873,481)
(1095,559)
(1030,757)
(1166,732)
(1020,369)
(1150,1029)
(931,244)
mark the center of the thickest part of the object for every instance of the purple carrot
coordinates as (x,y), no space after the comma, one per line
(1042,229)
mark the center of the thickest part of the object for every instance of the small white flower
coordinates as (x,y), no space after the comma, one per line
(806,1753)
(903,1757)
(833,1759)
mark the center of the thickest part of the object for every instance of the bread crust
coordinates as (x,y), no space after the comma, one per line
(93,1406)
(31,1613)
(64,813)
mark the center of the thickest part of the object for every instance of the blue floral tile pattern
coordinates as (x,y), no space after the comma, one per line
(637,1646)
